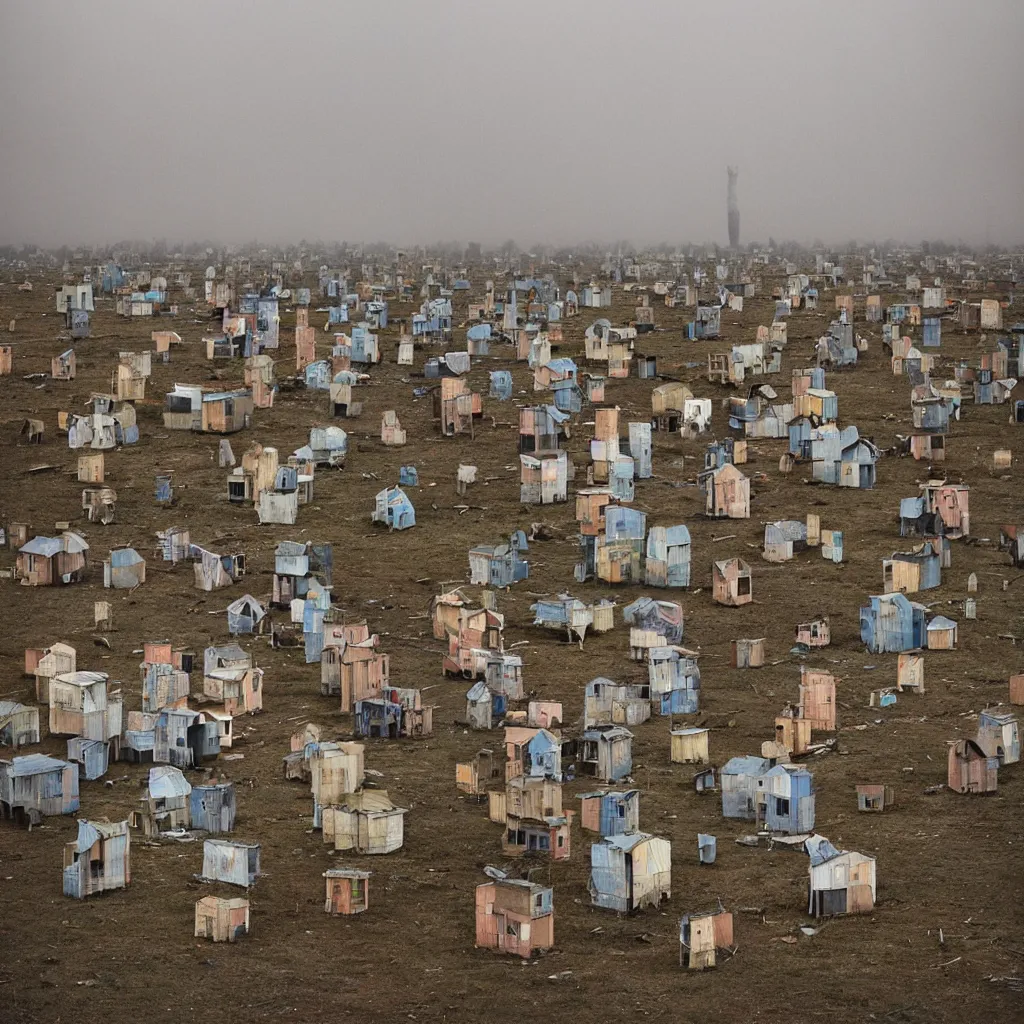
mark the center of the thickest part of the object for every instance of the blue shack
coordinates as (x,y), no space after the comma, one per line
(931,329)
(213,807)
(91,756)
(314,612)
(377,718)
(318,375)
(858,459)
(163,491)
(800,431)
(718,453)
(620,480)
(916,520)
(785,799)
(568,395)
(610,812)
(499,565)
(892,623)
(668,557)
(394,509)
(501,385)
(674,680)
(542,756)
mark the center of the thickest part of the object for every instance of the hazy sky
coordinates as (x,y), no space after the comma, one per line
(556,121)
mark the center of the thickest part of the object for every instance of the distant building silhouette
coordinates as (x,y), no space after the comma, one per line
(733,209)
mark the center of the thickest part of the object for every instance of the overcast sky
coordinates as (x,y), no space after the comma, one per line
(554,121)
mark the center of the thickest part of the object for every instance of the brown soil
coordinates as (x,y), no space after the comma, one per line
(944,861)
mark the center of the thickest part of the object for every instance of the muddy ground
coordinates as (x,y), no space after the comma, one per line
(944,861)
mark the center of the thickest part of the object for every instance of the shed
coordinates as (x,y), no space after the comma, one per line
(941,634)
(668,557)
(165,806)
(213,807)
(499,565)
(92,756)
(702,936)
(875,798)
(610,812)
(999,735)
(222,920)
(335,770)
(663,618)
(785,799)
(816,633)
(690,746)
(246,615)
(839,883)
(817,701)
(51,561)
(550,835)
(36,785)
(514,916)
(606,753)
(98,860)
(910,672)
(391,432)
(231,862)
(81,706)
(674,678)
(366,822)
(748,653)
(473,777)
(631,871)
(727,493)
(479,707)
(892,623)
(125,569)
(739,778)
(394,509)
(19,724)
(606,703)
(57,660)
(731,582)
(970,769)
(347,891)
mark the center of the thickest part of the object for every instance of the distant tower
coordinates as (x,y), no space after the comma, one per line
(733,209)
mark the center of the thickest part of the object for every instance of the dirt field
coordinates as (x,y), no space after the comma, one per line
(944,861)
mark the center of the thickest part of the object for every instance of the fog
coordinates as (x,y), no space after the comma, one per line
(557,121)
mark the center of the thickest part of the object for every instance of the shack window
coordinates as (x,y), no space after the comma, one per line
(781,806)
(743,585)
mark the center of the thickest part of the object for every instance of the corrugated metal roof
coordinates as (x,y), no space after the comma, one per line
(46,546)
(82,678)
(749,765)
(626,841)
(35,764)
(166,781)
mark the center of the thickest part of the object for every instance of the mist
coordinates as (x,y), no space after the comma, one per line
(555,122)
